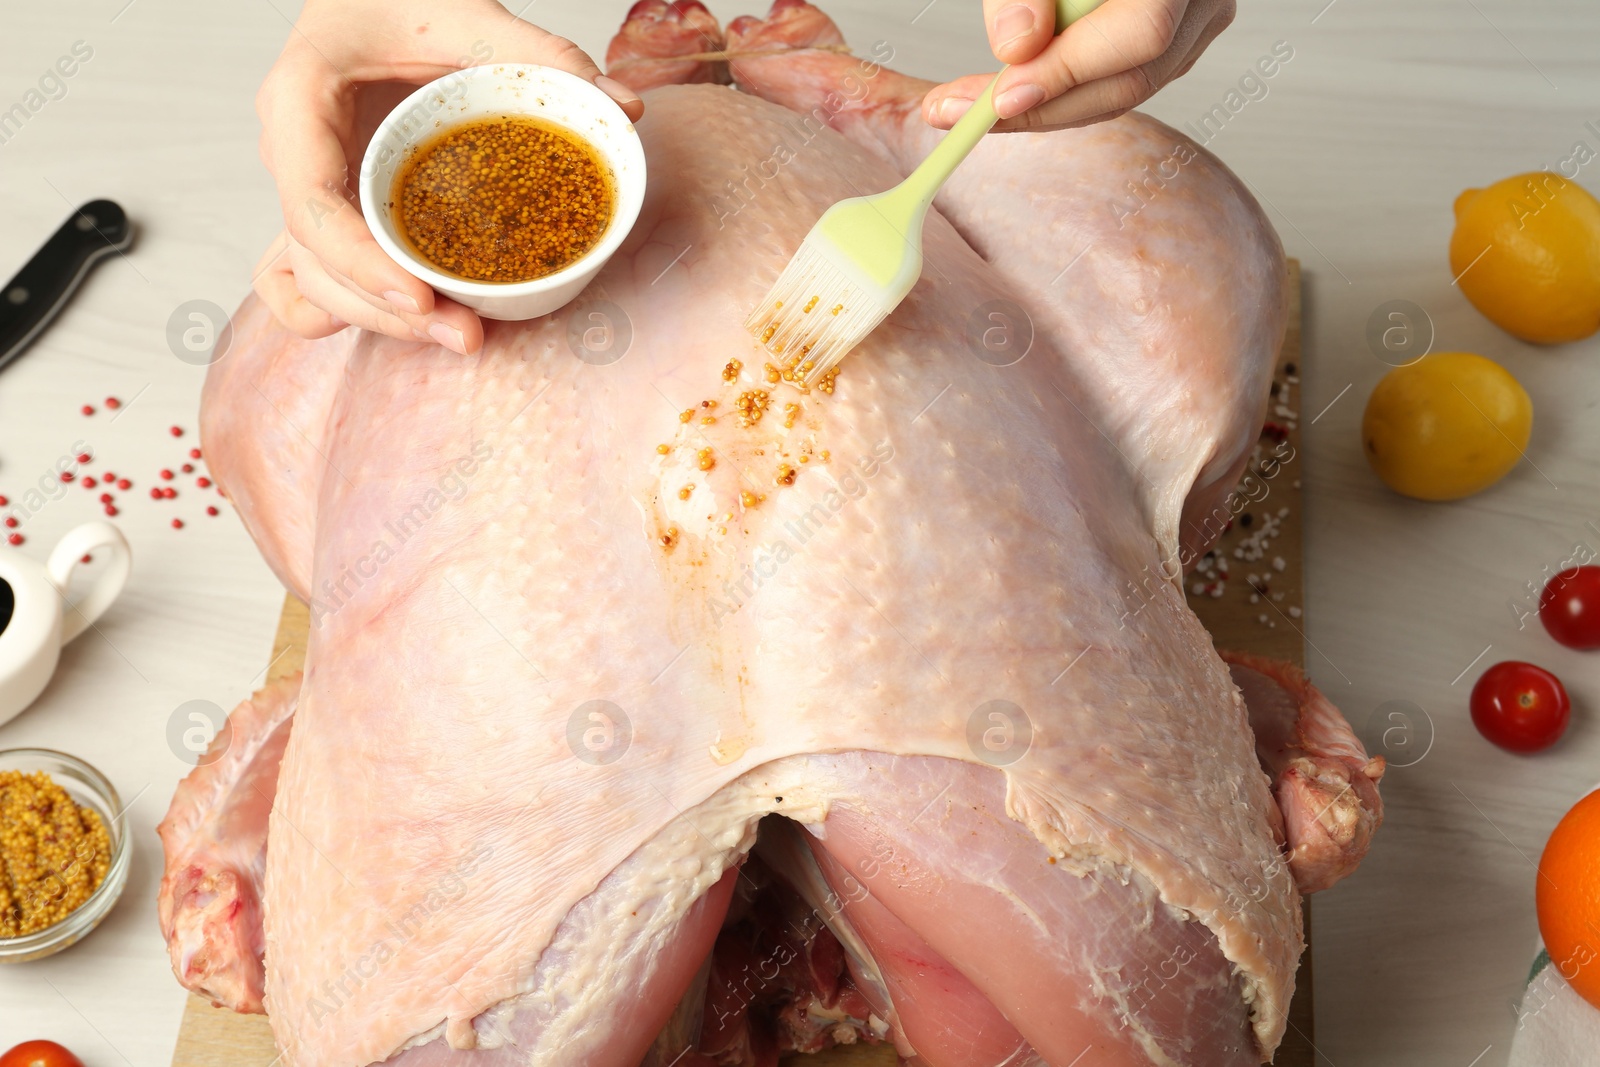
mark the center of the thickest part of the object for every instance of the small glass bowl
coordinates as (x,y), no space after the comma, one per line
(90,788)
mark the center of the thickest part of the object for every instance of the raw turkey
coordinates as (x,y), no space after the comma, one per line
(658,712)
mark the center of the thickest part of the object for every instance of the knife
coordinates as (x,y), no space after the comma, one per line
(29,301)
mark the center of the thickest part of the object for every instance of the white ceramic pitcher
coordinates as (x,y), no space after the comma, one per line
(35,619)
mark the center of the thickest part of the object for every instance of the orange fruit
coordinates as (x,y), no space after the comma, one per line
(1526,251)
(1568,897)
(1447,426)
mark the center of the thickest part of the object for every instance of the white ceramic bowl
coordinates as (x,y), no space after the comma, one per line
(490,92)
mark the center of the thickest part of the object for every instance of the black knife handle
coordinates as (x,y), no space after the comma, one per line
(47,281)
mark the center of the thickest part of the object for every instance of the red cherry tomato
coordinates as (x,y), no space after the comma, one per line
(1569,607)
(39,1054)
(1517,706)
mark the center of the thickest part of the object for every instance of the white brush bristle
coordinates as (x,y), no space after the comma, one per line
(817,311)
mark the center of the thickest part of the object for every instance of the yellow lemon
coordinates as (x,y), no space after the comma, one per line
(1527,253)
(1447,426)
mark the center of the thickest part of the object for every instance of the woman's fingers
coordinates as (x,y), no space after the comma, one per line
(1083,105)
(307,111)
(319,288)
(489,33)
(313,302)
(1106,98)
(1119,36)
(946,103)
(274,283)
(551,51)
(1019,29)
(1202,24)
(451,325)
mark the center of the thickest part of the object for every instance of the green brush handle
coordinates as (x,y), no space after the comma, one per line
(978,121)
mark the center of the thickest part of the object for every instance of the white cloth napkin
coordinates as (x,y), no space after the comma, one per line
(1555,1026)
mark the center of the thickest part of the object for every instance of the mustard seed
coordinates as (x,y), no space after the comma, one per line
(54,853)
(504,200)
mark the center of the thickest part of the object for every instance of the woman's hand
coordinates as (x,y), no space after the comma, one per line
(346,64)
(1108,62)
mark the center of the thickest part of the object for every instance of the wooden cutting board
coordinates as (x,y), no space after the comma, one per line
(1271,626)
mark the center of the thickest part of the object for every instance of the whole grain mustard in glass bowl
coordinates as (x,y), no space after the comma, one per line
(64,851)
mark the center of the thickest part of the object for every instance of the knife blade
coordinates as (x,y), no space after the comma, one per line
(38,292)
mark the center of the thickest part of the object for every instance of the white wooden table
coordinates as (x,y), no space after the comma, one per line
(1386,111)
